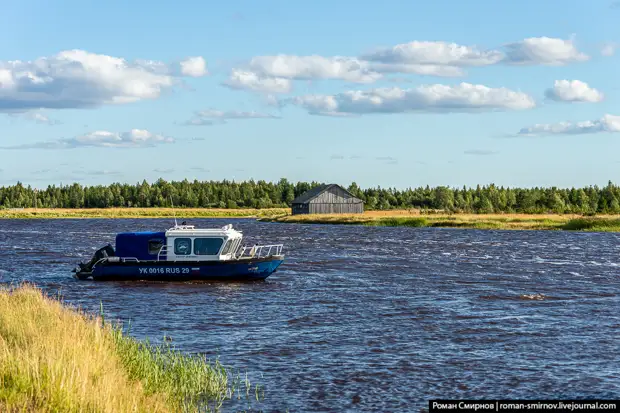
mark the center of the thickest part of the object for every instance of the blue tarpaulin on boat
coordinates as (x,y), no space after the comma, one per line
(140,245)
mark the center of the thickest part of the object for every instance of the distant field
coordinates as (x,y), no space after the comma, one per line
(140,213)
(413,218)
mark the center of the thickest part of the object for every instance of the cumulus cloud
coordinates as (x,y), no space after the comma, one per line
(573,91)
(608,123)
(273,74)
(194,66)
(136,138)
(431,70)
(464,97)
(79,79)
(210,117)
(246,80)
(314,67)
(430,58)
(543,51)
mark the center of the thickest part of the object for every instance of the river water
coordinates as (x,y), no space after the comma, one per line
(369,319)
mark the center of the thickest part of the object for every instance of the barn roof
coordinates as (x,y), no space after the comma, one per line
(316,191)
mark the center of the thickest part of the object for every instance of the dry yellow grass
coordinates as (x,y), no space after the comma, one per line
(413,218)
(56,359)
(53,360)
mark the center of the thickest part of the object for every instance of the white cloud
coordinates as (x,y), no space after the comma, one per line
(433,58)
(464,97)
(78,79)
(543,51)
(608,123)
(244,80)
(314,67)
(36,117)
(41,118)
(573,91)
(136,138)
(210,117)
(430,70)
(163,170)
(434,54)
(194,66)
(609,49)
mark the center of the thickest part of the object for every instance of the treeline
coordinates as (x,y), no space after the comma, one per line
(261,194)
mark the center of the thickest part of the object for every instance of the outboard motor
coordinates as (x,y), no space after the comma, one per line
(83,271)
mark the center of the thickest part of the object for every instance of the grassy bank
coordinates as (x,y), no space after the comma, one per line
(404,218)
(140,213)
(54,358)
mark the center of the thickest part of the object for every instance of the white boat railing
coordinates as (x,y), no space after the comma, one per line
(259,251)
(256,251)
(163,253)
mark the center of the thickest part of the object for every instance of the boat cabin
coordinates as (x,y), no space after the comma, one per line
(180,243)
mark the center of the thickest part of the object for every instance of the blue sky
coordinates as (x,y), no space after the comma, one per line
(393,93)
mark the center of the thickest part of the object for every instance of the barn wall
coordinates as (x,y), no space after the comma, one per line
(331,201)
(342,208)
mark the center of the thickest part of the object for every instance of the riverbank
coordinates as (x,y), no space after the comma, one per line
(402,218)
(140,213)
(56,358)
(398,218)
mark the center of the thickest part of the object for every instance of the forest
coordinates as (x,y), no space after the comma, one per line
(261,194)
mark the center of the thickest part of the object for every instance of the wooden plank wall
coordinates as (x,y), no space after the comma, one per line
(344,208)
(332,201)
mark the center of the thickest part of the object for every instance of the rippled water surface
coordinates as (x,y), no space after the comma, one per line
(369,319)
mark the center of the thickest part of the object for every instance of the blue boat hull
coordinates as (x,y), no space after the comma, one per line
(242,270)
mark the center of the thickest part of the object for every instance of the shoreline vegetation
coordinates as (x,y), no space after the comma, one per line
(396,218)
(54,357)
(408,218)
(152,212)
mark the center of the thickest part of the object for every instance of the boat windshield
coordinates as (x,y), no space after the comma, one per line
(207,246)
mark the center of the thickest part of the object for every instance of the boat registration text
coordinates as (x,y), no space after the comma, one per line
(164,270)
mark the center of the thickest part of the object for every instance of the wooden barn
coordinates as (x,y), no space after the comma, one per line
(327,199)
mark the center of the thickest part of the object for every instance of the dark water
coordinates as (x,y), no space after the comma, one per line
(370,319)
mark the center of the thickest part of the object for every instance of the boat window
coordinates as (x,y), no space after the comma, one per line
(207,246)
(183,246)
(226,248)
(155,245)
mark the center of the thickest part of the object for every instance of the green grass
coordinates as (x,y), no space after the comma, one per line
(593,224)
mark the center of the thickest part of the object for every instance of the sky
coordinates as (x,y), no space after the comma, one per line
(391,94)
